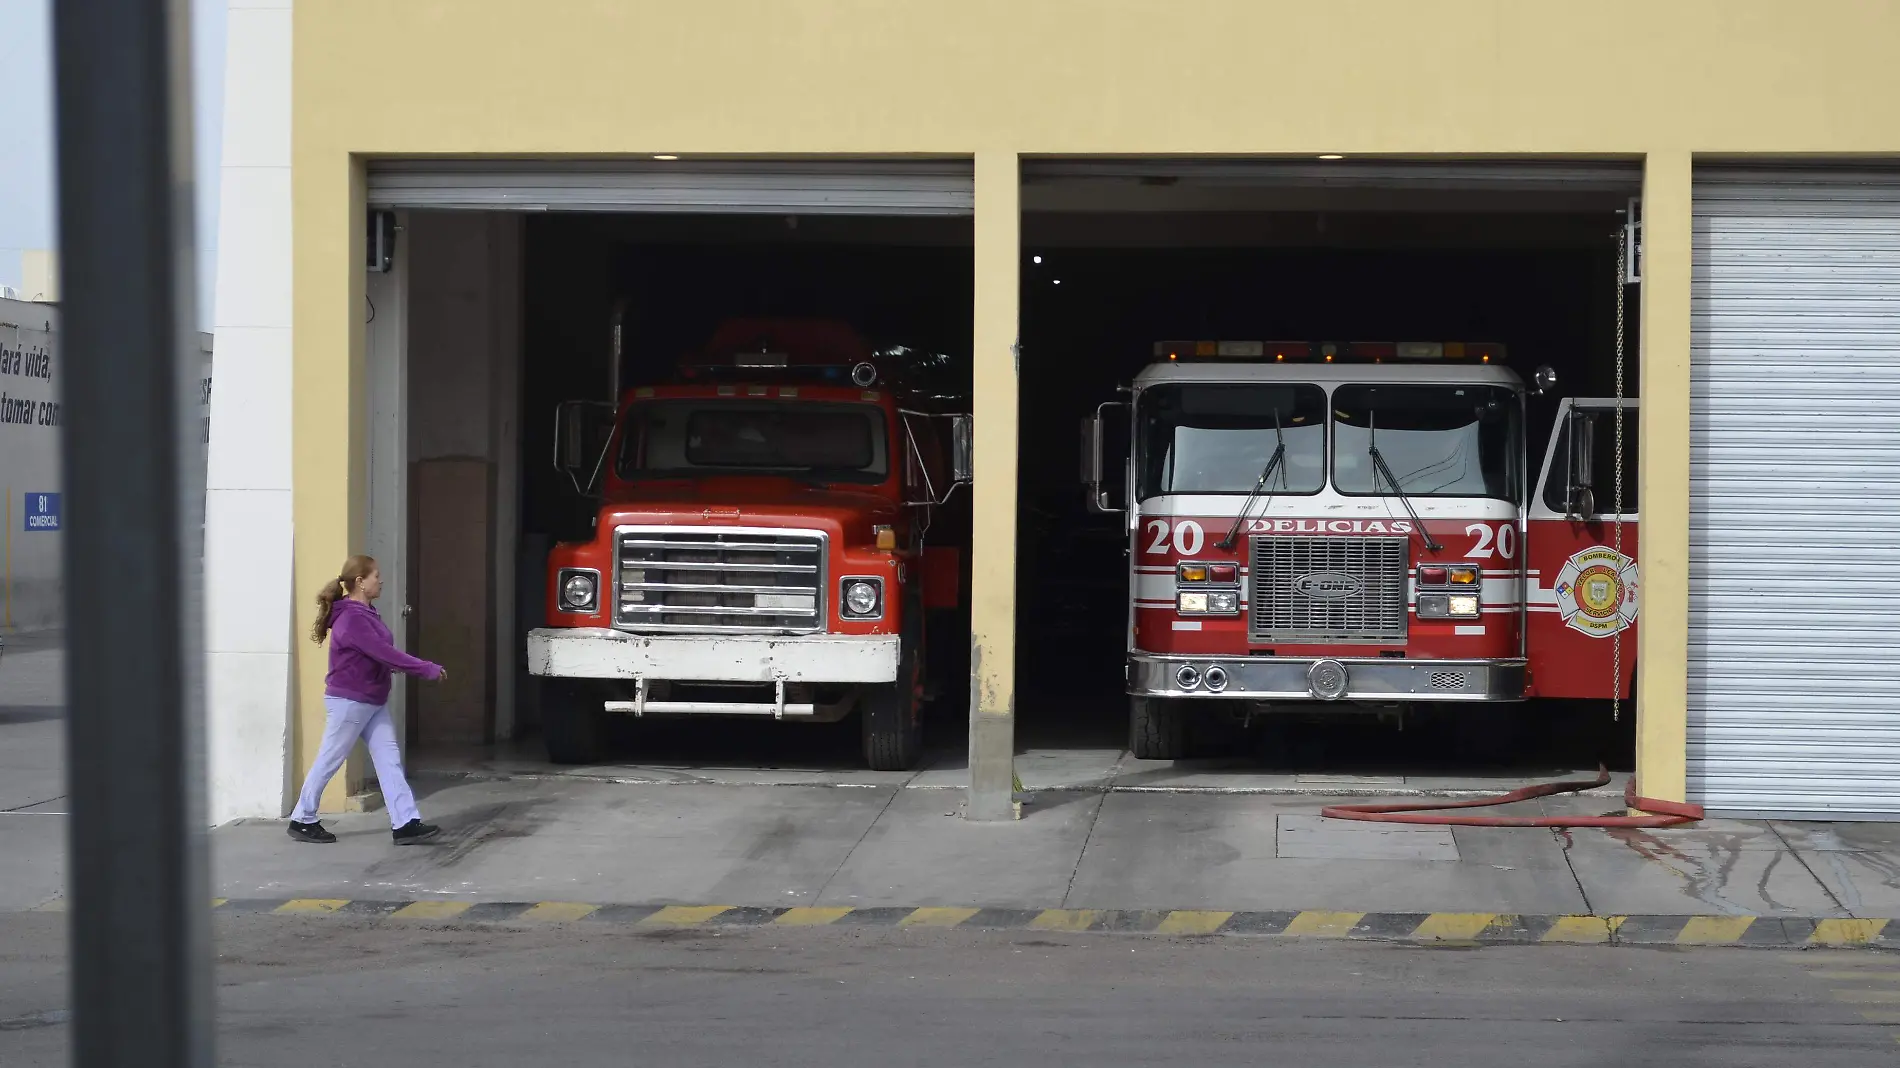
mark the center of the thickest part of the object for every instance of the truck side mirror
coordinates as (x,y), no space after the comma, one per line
(1098,432)
(962,448)
(581,432)
(1580,479)
(1543,380)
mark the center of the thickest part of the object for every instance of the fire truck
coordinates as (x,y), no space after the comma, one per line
(1323,528)
(762,543)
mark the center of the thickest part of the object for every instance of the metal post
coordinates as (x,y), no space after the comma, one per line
(139,899)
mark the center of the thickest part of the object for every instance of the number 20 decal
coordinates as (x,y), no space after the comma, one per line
(1505,541)
(1188,537)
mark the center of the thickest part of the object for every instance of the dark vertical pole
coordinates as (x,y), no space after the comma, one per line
(133,489)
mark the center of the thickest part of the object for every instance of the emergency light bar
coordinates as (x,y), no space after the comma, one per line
(1330,351)
(775,366)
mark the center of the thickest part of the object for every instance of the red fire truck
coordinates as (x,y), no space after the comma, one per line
(1326,528)
(761,543)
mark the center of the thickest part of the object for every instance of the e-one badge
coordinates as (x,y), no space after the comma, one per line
(1597,592)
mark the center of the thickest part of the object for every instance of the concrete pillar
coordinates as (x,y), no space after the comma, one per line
(1663,479)
(249,637)
(993,528)
(330,424)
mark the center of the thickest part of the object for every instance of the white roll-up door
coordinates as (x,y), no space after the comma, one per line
(1794,571)
(855,187)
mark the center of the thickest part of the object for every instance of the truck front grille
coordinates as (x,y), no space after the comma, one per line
(720,580)
(1318,590)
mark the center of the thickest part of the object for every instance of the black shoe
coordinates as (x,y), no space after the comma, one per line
(312,832)
(414,831)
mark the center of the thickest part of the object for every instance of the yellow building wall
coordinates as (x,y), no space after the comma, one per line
(1657,79)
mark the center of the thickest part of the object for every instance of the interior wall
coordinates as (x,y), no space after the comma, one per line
(464,405)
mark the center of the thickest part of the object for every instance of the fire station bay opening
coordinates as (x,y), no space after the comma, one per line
(755,481)
(778,517)
(1280,322)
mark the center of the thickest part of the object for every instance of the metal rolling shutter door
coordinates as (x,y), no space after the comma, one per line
(1794,572)
(866,187)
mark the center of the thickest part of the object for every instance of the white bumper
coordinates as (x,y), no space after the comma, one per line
(598,653)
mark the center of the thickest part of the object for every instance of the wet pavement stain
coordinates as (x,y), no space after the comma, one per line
(1700,880)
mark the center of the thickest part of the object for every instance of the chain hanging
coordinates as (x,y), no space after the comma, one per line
(1616,640)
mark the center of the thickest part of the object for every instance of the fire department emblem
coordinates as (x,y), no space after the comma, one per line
(1597,592)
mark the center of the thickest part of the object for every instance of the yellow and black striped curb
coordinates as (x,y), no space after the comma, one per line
(1461,927)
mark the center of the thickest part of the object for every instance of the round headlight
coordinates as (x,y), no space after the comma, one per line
(861,598)
(578,591)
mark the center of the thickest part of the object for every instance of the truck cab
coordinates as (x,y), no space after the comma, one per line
(761,544)
(1329,527)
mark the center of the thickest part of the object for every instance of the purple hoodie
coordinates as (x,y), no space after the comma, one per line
(362,653)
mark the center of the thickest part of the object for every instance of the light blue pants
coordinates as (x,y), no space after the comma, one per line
(348,721)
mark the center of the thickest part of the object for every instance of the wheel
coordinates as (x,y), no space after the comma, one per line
(1157,728)
(573,725)
(892,720)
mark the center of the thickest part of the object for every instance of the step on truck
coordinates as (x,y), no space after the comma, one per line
(1324,528)
(762,542)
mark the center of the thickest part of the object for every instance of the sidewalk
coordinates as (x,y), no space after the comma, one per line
(886,846)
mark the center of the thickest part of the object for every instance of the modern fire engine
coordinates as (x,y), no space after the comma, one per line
(761,545)
(1343,527)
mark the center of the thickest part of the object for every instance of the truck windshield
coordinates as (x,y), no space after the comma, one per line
(687,438)
(1438,441)
(1217,438)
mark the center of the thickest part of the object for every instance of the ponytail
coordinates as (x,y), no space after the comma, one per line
(355,570)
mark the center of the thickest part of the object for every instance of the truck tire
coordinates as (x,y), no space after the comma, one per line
(892,720)
(573,725)
(1157,728)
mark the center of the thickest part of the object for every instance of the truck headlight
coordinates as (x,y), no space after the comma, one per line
(580,590)
(1448,606)
(863,598)
(1208,603)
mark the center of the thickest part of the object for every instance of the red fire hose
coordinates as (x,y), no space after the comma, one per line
(1661,813)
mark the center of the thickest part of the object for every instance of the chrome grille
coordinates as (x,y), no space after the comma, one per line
(720,580)
(1316,590)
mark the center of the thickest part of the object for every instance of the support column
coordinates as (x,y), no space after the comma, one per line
(993,526)
(1663,479)
(329,426)
(249,640)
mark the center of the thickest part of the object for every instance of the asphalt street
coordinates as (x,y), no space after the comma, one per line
(337,990)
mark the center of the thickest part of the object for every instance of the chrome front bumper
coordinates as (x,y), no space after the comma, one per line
(1288,678)
(599,653)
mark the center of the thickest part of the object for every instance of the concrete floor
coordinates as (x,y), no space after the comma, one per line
(295,992)
(584,840)
(1102,831)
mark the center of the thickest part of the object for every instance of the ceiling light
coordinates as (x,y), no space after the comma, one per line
(1037,259)
(665,157)
(1332,155)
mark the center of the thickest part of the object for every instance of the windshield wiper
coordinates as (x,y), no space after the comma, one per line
(1379,465)
(1274,463)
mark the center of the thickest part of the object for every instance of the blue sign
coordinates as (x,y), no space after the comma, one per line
(42,511)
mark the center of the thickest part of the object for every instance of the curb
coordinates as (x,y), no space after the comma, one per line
(1464,928)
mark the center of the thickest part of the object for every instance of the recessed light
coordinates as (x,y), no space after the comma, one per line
(1332,155)
(665,157)
(1058,281)
(1036,259)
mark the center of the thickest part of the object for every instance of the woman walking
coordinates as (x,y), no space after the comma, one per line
(356,696)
